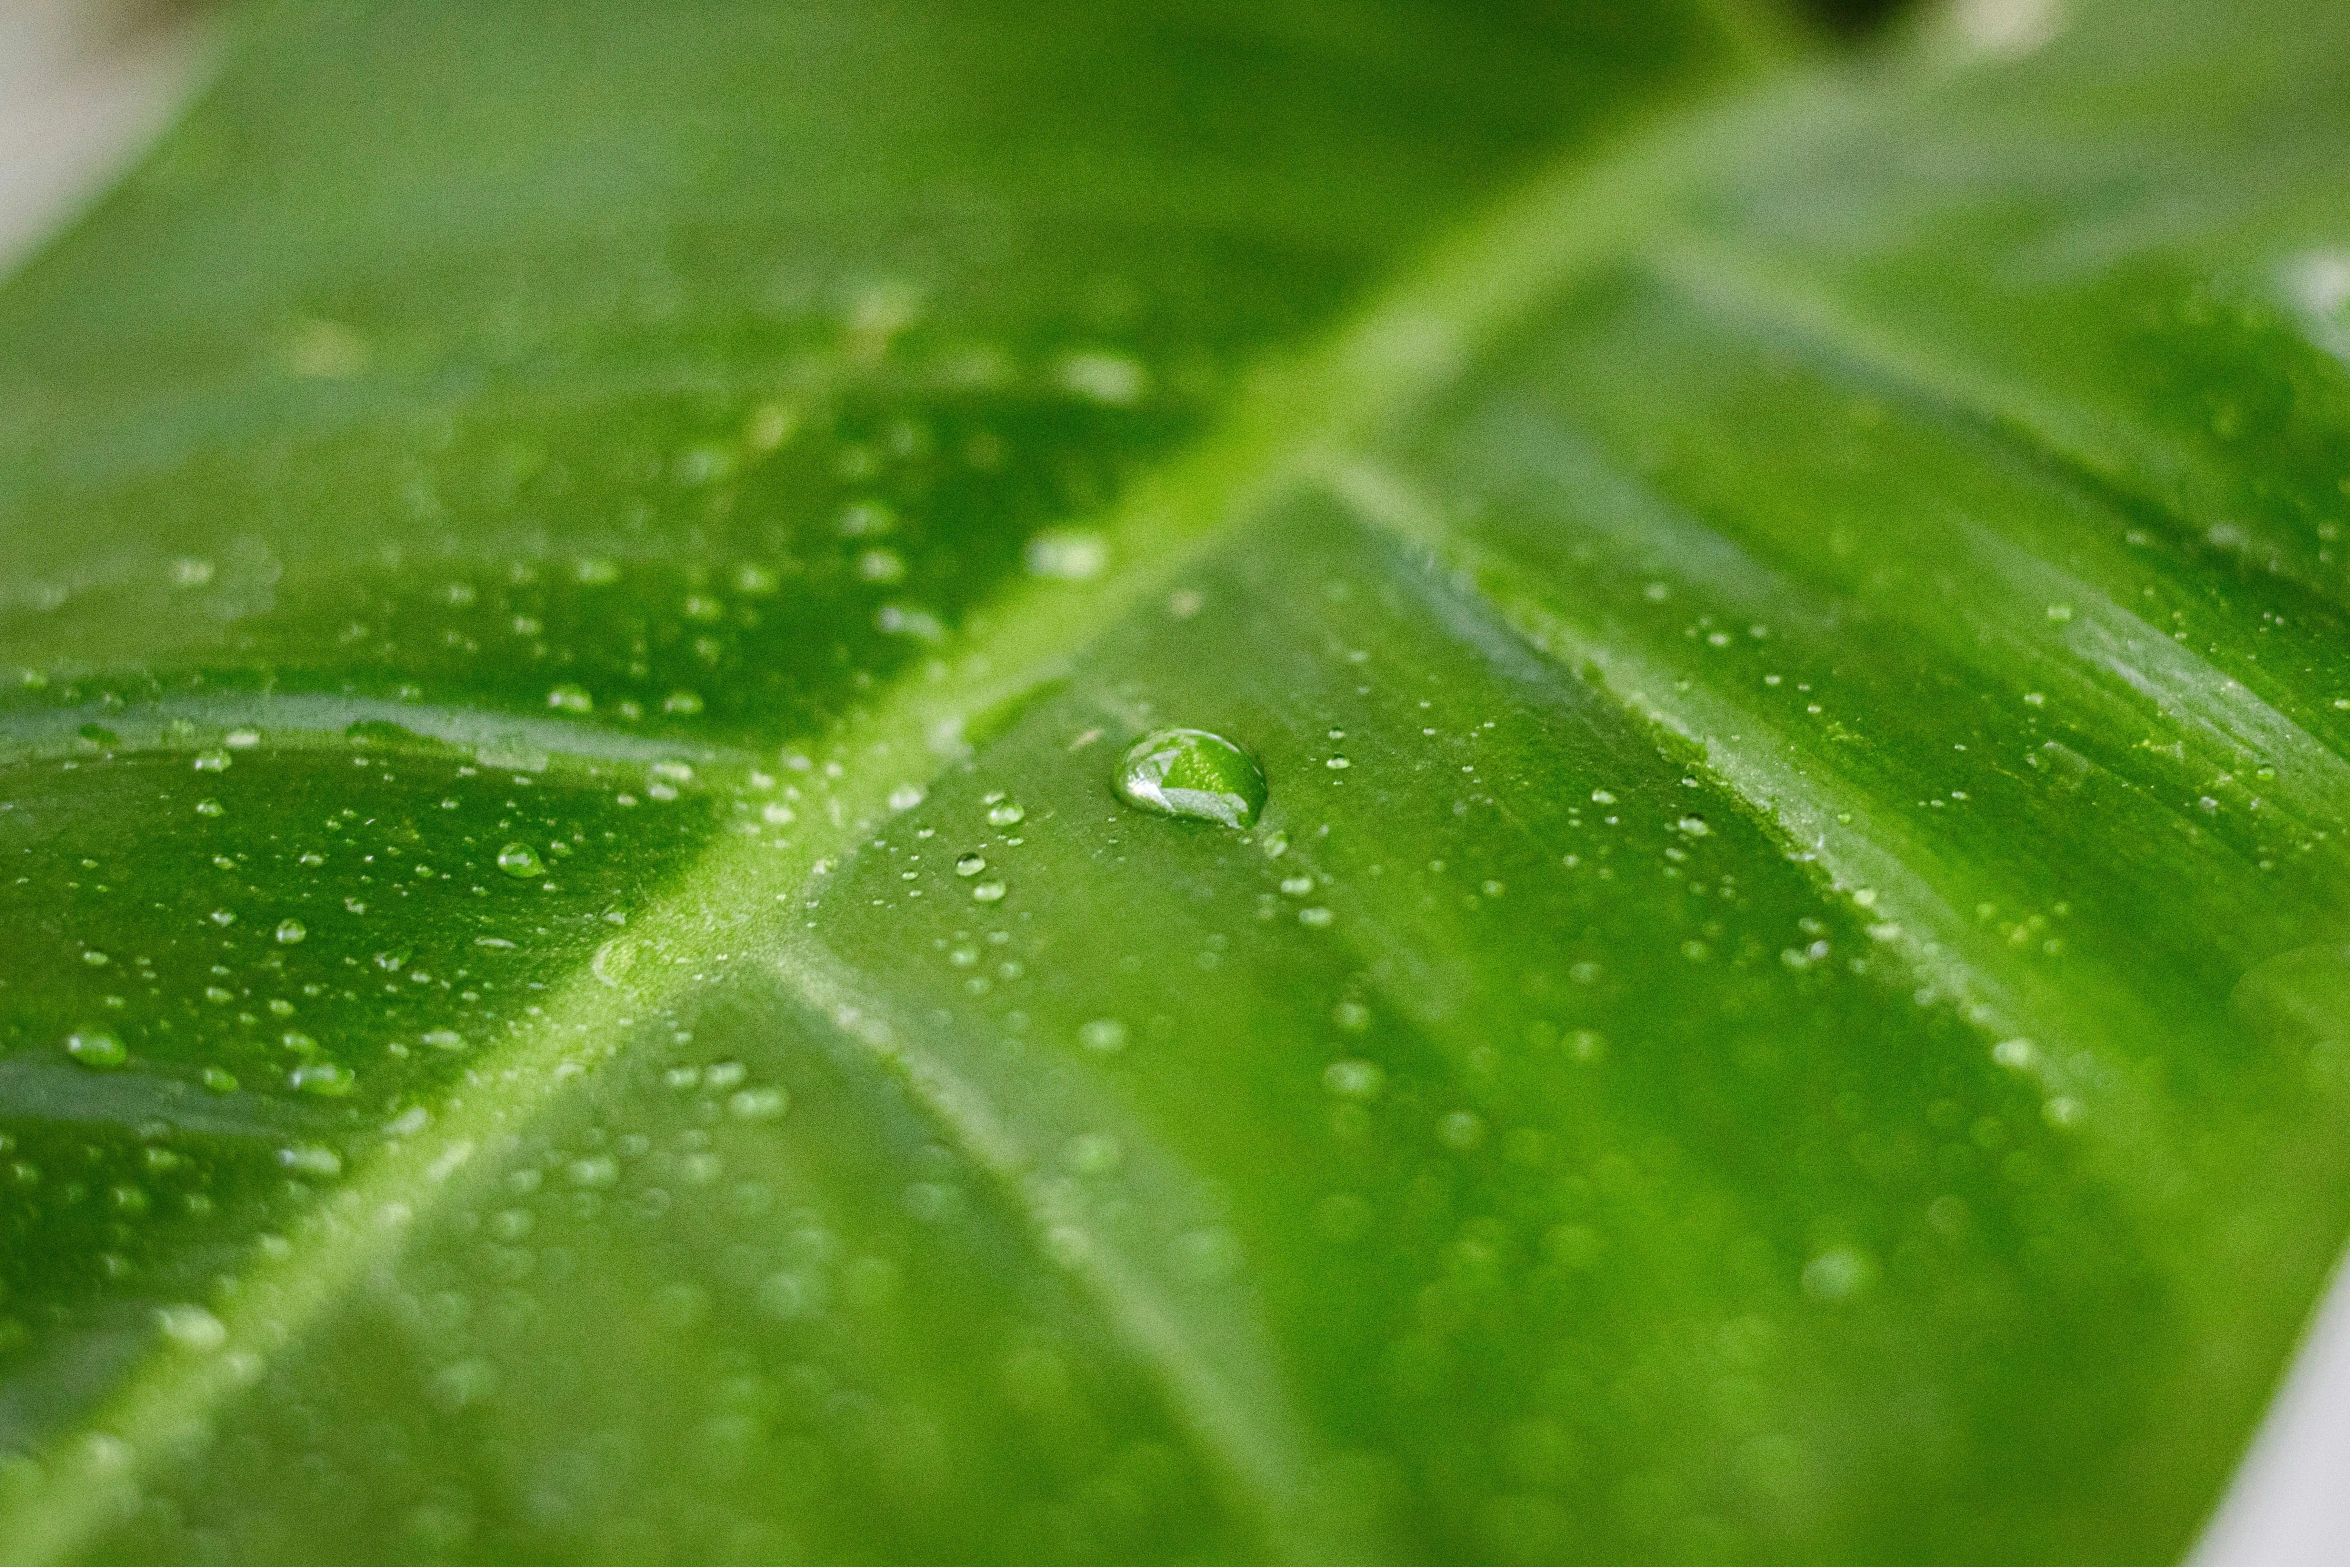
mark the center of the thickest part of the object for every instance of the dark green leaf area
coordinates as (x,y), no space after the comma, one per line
(284,945)
(762,568)
(706,289)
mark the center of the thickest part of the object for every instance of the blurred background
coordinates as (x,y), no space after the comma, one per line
(83,85)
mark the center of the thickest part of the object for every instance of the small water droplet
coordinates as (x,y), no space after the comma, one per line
(905,797)
(291,931)
(1338,764)
(970,865)
(191,1328)
(1094,1153)
(989,892)
(1066,554)
(1193,775)
(1462,1130)
(520,861)
(310,1159)
(212,762)
(758,1104)
(571,699)
(1694,826)
(1112,379)
(218,1079)
(2017,1055)
(96,1049)
(1006,813)
(1105,1035)
(1839,1275)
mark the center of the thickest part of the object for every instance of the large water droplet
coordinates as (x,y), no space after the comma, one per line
(520,861)
(1192,774)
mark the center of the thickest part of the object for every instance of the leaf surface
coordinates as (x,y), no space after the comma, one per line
(581,591)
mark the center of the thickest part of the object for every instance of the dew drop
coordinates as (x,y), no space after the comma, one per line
(989,892)
(970,865)
(1193,775)
(191,1328)
(1066,554)
(96,1049)
(1104,1035)
(1462,1130)
(1354,1079)
(1112,379)
(520,861)
(758,1104)
(1839,1275)
(1006,813)
(290,931)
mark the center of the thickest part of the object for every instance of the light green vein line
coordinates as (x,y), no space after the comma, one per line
(1405,350)
(1863,856)
(2187,687)
(1218,1374)
(320,722)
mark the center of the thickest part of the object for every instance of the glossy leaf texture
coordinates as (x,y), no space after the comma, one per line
(582,988)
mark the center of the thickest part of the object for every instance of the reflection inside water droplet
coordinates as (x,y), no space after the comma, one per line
(1194,775)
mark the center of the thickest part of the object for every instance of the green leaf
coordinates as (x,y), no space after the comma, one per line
(587,585)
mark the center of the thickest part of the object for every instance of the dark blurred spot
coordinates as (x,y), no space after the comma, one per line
(1853,17)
